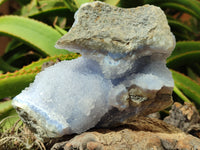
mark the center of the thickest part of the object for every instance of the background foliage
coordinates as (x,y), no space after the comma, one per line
(38,24)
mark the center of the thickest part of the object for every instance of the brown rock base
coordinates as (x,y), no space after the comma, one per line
(141,134)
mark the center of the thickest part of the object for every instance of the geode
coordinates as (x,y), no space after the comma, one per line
(121,74)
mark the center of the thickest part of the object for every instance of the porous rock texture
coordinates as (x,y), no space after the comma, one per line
(185,117)
(121,74)
(103,28)
(141,134)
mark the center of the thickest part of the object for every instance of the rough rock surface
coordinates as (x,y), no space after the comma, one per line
(141,134)
(183,116)
(103,28)
(121,74)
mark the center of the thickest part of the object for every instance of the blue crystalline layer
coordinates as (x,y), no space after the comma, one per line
(71,95)
(39,113)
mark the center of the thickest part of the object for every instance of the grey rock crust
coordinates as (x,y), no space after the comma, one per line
(104,28)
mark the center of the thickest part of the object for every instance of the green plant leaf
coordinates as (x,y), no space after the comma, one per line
(180,8)
(189,87)
(6,67)
(181,95)
(8,119)
(2,1)
(196,68)
(5,106)
(185,46)
(60,30)
(183,59)
(112,2)
(36,34)
(41,10)
(193,75)
(191,4)
(13,85)
(181,36)
(16,52)
(71,5)
(23,2)
(80,2)
(179,25)
(6,109)
(185,53)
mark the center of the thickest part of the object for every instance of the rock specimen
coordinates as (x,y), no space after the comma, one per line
(121,73)
(185,117)
(141,134)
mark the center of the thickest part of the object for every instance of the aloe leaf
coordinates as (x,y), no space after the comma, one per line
(23,2)
(16,52)
(112,2)
(2,1)
(71,5)
(8,119)
(187,3)
(36,34)
(184,58)
(185,46)
(13,85)
(179,25)
(12,45)
(62,31)
(179,7)
(5,106)
(6,67)
(181,50)
(181,95)
(80,2)
(193,75)
(189,87)
(52,58)
(181,36)
(196,68)
(24,59)
(41,10)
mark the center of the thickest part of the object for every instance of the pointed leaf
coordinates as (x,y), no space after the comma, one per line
(185,58)
(189,87)
(185,46)
(180,8)
(5,106)
(181,95)
(193,75)
(179,25)
(36,34)
(191,4)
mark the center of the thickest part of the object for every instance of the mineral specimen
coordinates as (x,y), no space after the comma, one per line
(121,74)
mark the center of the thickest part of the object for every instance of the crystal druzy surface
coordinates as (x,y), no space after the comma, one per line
(121,74)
